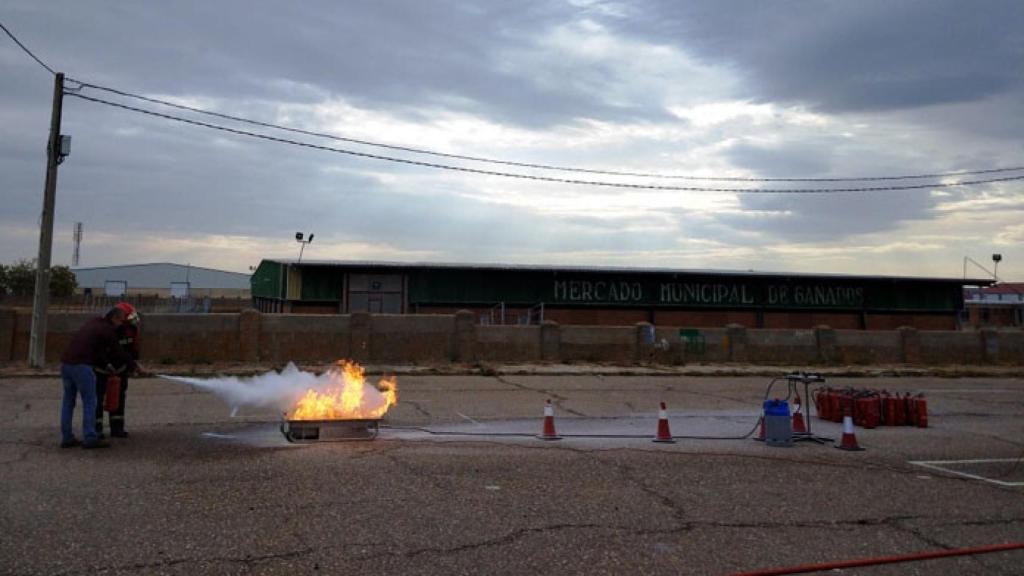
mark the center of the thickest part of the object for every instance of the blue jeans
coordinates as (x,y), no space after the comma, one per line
(78,379)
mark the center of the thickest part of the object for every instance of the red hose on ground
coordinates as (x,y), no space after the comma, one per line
(883,560)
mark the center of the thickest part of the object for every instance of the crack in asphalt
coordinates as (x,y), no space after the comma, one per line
(488,543)
(558,403)
(248,559)
(523,387)
(689,525)
(628,474)
(984,522)
(418,408)
(918,533)
(744,401)
(18,459)
(558,399)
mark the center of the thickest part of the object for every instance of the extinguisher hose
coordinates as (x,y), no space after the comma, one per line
(915,557)
(750,433)
(768,391)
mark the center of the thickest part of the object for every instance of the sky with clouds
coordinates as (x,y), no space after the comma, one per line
(709,89)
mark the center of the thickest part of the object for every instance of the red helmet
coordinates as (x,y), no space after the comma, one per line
(129,312)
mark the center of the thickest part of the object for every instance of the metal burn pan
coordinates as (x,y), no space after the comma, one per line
(329,430)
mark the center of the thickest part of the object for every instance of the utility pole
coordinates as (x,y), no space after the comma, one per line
(41,301)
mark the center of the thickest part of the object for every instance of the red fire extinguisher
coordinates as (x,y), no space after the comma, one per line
(843,406)
(821,403)
(912,413)
(888,409)
(922,412)
(871,406)
(901,410)
(113,395)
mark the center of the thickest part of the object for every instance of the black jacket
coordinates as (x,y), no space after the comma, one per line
(96,344)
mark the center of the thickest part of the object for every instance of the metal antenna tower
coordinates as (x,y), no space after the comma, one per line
(78,243)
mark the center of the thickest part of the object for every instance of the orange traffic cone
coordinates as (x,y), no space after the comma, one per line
(549,423)
(798,417)
(663,435)
(761,435)
(849,441)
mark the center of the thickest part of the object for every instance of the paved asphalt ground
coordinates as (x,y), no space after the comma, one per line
(197,491)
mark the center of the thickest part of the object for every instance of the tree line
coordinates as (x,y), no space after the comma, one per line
(19,279)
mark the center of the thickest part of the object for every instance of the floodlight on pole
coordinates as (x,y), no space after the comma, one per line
(299,238)
(996,258)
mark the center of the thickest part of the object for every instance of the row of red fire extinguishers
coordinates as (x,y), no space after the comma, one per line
(871,408)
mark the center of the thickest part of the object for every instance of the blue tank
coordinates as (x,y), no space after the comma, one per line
(778,425)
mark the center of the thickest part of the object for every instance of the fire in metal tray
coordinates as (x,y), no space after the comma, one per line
(346,409)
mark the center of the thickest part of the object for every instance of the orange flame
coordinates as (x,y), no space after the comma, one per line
(348,397)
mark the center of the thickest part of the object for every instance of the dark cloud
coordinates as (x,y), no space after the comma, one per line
(392,54)
(828,217)
(849,56)
(782,161)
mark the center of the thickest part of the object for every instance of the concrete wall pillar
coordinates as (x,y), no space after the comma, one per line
(249,335)
(550,341)
(359,334)
(828,349)
(910,344)
(464,337)
(737,335)
(989,345)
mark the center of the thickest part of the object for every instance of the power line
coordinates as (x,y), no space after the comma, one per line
(540,178)
(27,51)
(151,100)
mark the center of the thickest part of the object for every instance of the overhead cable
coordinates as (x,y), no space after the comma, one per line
(151,100)
(545,178)
(25,48)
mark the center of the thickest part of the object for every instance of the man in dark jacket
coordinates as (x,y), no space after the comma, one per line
(95,345)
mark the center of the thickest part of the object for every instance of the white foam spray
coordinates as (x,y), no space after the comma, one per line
(279,390)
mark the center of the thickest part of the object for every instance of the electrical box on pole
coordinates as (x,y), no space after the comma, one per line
(57,148)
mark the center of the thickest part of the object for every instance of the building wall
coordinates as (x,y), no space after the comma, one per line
(431,339)
(704,318)
(166,292)
(1001,316)
(879,321)
(802,319)
(609,297)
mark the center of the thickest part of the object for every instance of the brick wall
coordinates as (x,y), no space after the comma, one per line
(433,338)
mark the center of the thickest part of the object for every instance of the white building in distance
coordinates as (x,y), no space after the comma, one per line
(162,279)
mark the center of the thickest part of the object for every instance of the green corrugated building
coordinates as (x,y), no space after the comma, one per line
(620,296)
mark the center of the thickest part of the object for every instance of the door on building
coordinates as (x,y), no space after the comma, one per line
(115,288)
(179,289)
(376,293)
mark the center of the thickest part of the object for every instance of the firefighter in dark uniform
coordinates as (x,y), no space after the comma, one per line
(128,338)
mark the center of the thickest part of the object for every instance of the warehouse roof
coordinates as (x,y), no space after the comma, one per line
(616,269)
(161,275)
